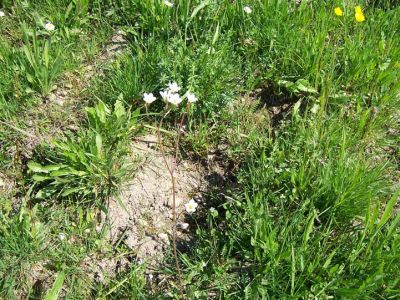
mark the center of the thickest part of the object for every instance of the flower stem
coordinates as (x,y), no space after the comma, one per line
(171,170)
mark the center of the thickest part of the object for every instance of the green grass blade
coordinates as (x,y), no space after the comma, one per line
(57,286)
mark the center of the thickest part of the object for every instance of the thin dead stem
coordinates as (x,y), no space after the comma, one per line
(171,170)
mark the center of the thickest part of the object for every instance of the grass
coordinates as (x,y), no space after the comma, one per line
(300,104)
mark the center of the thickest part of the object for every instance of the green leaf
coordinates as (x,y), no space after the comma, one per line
(44,193)
(30,78)
(46,56)
(101,110)
(119,109)
(329,259)
(57,286)
(36,167)
(296,107)
(199,7)
(71,191)
(304,86)
(66,172)
(40,178)
(29,55)
(309,228)
(389,209)
(216,35)
(99,145)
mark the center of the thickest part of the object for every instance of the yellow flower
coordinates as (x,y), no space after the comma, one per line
(338,11)
(359,17)
(358,9)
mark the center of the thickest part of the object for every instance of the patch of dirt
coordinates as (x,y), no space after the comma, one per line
(6,185)
(99,268)
(39,278)
(141,216)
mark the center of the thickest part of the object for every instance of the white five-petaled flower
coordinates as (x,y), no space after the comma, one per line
(191,206)
(169,4)
(149,98)
(49,26)
(174,99)
(191,97)
(2,13)
(247,9)
(173,87)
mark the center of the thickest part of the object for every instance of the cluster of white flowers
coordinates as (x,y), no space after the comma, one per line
(170,95)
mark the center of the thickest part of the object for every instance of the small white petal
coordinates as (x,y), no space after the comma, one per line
(61,236)
(169,4)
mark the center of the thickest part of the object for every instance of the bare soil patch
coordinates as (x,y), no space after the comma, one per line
(141,216)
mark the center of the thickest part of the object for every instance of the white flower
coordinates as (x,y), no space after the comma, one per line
(191,206)
(2,13)
(87,231)
(174,99)
(191,97)
(61,236)
(149,98)
(173,87)
(169,4)
(164,95)
(247,10)
(49,26)
(151,276)
(212,209)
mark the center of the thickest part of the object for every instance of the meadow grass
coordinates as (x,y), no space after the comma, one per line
(303,102)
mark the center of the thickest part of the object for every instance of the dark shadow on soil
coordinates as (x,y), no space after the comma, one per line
(279,102)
